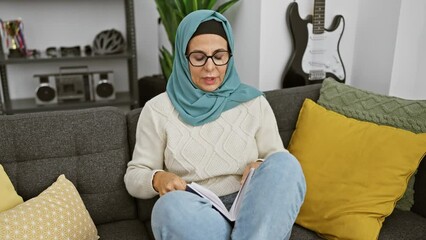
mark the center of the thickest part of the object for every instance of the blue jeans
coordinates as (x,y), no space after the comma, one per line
(268,211)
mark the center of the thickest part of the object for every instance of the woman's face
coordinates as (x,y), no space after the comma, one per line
(208,77)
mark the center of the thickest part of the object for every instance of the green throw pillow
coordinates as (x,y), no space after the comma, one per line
(381,109)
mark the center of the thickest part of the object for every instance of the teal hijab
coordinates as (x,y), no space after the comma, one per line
(195,106)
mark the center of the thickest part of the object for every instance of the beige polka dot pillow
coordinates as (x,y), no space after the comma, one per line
(57,213)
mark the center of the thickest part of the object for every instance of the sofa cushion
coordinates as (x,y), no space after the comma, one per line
(355,171)
(385,110)
(368,106)
(286,105)
(400,225)
(9,197)
(403,225)
(89,146)
(301,233)
(126,229)
(420,190)
(132,118)
(57,213)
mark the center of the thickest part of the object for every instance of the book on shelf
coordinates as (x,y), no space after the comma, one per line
(232,214)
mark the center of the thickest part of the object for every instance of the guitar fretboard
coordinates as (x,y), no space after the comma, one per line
(318,18)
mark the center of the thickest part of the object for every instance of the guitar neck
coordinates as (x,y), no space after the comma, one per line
(318,18)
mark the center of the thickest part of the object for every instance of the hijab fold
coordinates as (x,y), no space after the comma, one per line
(195,106)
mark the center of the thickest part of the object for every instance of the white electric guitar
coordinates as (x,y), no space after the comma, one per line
(316,49)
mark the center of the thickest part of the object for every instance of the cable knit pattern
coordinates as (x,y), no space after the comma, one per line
(385,110)
(213,155)
(367,106)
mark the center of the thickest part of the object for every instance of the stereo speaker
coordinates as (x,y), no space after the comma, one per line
(103,86)
(75,86)
(45,92)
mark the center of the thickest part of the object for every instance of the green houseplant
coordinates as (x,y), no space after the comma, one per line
(171,14)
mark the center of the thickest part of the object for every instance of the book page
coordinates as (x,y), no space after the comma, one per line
(235,209)
(206,193)
(217,203)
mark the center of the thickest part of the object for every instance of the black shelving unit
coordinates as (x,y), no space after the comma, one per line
(1,104)
(10,106)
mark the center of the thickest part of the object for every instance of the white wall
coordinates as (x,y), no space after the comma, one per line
(276,44)
(245,19)
(375,44)
(147,37)
(408,74)
(382,46)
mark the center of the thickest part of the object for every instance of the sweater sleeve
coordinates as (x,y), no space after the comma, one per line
(268,138)
(148,156)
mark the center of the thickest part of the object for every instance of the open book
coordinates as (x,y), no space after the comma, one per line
(232,214)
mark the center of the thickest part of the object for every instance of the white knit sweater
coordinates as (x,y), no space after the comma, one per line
(214,154)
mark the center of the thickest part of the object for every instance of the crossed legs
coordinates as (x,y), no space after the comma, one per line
(269,208)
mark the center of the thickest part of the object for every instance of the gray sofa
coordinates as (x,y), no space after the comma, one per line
(92,147)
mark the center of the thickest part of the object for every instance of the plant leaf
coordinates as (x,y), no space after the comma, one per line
(210,4)
(222,8)
(180,4)
(166,62)
(194,5)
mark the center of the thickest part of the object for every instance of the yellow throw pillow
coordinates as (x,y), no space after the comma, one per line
(9,198)
(57,213)
(355,171)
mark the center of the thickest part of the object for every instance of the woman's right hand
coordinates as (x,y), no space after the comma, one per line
(165,182)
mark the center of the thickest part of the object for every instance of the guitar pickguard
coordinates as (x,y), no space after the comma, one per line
(321,58)
(321,55)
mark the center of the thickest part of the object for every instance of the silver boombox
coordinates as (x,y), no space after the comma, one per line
(74,86)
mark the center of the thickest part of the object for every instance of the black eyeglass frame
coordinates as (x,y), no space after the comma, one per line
(207,58)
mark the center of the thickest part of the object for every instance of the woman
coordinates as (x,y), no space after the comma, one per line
(210,128)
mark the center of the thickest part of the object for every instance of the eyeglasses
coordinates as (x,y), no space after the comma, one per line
(199,59)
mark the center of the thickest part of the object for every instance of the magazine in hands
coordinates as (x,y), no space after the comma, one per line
(232,214)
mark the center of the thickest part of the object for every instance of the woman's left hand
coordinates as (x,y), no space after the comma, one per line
(247,169)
